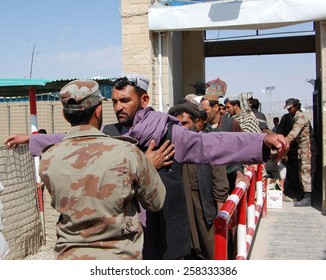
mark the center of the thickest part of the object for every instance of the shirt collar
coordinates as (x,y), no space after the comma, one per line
(82,131)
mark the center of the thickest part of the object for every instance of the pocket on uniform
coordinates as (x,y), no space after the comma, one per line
(131,224)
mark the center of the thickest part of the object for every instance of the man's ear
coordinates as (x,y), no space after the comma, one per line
(63,114)
(98,111)
(144,100)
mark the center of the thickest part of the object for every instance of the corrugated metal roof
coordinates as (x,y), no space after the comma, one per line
(22,82)
(20,87)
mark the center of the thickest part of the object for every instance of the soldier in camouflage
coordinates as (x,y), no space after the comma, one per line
(302,133)
(96,183)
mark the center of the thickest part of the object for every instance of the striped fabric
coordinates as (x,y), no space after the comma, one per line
(247,121)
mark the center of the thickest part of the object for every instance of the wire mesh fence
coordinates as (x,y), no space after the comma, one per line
(20,221)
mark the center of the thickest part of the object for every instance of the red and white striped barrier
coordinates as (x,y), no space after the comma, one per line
(247,216)
(254,210)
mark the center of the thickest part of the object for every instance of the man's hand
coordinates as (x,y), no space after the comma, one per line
(243,178)
(17,139)
(278,143)
(160,157)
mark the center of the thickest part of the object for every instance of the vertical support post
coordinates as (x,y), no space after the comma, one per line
(242,227)
(160,78)
(220,239)
(34,129)
(252,202)
(264,211)
(251,221)
(32,106)
(259,185)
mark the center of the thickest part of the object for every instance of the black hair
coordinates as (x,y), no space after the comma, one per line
(121,83)
(42,131)
(203,115)
(175,111)
(193,117)
(179,111)
(185,106)
(297,104)
(80,117)
(254,103)
(226,100)
(212,103)
(235,102)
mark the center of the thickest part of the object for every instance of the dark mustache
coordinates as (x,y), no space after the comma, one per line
(122,114)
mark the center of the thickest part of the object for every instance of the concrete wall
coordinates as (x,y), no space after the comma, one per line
(137,49)
(193,60)
(145,53)
(171,60)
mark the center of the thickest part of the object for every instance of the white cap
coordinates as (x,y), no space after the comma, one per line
(140,81)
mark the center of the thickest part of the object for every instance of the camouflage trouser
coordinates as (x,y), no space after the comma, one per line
(306,170)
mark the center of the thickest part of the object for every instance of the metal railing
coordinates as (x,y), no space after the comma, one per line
(241,211)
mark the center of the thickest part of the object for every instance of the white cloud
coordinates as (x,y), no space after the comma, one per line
(104,62)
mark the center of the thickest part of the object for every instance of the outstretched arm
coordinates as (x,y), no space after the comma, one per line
(17,139)
(37,142)
(218,148)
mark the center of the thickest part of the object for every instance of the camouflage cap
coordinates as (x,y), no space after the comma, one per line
(290,102)
(80,94)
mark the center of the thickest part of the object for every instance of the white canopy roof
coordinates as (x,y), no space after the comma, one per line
(235,14)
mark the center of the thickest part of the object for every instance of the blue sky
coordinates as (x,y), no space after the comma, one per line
(82,39)
(73,39)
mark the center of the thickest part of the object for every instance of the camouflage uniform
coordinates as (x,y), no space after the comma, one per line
(93,181)
(96,183)
(302,133)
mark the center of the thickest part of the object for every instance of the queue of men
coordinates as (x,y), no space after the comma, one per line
(112,201)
